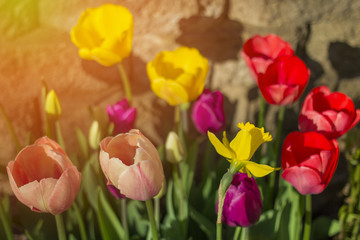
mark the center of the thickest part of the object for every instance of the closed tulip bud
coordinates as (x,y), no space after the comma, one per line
(175,152)
(208,112)
(122,115)
(132,164)
(52,105)
(331,114)
(94,135)
(309,161)
(43,178)
(242,205)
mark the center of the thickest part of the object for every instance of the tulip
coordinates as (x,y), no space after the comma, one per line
(331,114)
(43,178)
(241,149)
(259,52)
(284,80)
(309,161)
(174,148)
(94,135)
(52,105)
(122,115)
(242,205)
(131,163)
(104,34)
(179,76)
(208,112)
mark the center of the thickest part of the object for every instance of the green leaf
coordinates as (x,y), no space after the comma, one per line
(109,223)
(204,224)
(82,142)
(324,227)
(89,183)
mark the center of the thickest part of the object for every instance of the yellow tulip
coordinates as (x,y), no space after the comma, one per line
(178,76)
(104,34)
(241,149)
(52,105)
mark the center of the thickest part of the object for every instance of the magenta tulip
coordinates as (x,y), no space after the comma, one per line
(122,115)
(132,164)
(284,80)
(309,161)
(331,114)
(208,112)
(259,52)
(43,178)
(242,205)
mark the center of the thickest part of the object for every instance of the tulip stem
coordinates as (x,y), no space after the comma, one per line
(124,218)
(150,210)
(59,136)
(80,222)
(5,222)
(11,128)
(307,228)
(237,233)
(261,112)
(60,227)
(126,82)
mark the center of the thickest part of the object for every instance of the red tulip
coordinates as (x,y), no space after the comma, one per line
(259,52)
(309,161)
(43,178)
(331,114)
(284,80)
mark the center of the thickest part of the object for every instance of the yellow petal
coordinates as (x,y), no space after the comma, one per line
(170,91)
(259,170)
(258,136)
(52,104)
(219,146)
(241,145)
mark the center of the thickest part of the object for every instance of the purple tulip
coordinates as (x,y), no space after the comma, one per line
(208,112)
(242,205)
(122,115)
(115,192)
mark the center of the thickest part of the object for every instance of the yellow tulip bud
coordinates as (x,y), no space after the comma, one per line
(174,148)
(52,105)
(94,135)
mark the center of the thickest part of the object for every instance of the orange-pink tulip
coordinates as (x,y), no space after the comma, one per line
(43,178)
(132,164)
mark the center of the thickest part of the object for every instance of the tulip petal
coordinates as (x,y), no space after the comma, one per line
(304,179)
(219,146)
(64,192)
(141,181)
(259,170)
(169,90)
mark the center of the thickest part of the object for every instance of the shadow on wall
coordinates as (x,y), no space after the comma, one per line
(345,59)
(218,39)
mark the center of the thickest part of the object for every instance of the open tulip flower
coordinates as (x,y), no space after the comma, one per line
(309,161)
(242,205)
(331,114)
(284,80)
(122,115)
(43,178)
(259,52)
(208,112)
(241,149)
(178,76)
(104,34)
(132,164)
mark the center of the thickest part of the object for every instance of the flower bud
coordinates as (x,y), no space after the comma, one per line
(122,115)
(52,105)
(174,148)
(94,135)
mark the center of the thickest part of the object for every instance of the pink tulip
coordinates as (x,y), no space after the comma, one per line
(331,114)
(43,178)
(122,115)
(284,80)
(132,164)
(259,52)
